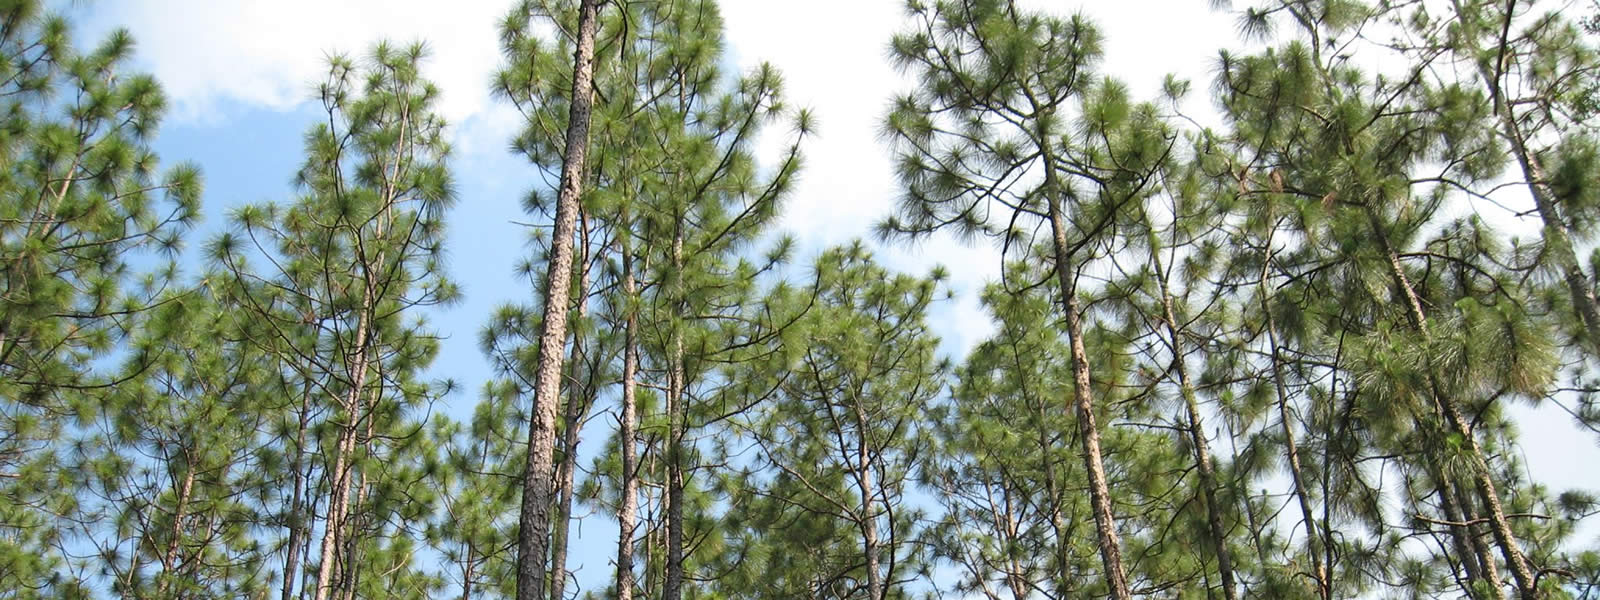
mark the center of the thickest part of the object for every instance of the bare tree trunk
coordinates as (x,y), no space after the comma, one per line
(578,397)
(534,522)
(1296,477)
(1475,556)
(170,557)
(339,491)
(1052,487)
(333,525)
(868,520)
(673,587)
(291,561)
(347,581)
(1459,425)
(1197,437)
(1105,520)
(628,509)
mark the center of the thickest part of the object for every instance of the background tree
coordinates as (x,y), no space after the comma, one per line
(989,140)
(352,260)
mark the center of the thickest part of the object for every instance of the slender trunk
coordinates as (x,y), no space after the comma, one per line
(170,558)
(572,424)
(1197,437)
(673,587)
(1485,554)
(534,522)
(333,525)
(339,491)
(1246,508)
(347,580)
(652,533)
(628,509)
(1460,425)
(291,561)
(1052,489)
(1558,238)
(1296,474)
(868,519)
(1099,491)
(1476,559)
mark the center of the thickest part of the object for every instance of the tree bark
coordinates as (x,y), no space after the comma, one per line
(1459,425)
(1296,477)
(1099,491)
(170,557)
(339,491)
(572,424)
(628,507)
(534,521)
(291,561)
(1197,437)
(672,588)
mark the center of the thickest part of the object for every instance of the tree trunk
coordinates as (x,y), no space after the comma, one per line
(338,497)
(291,560)
(1296,477)
(1052,488)
(572,424)
(1197,437)
(868,519)
(347,582)
(339,491)
(1099,491)
(676,413)
(1474,555)
(1459,425)
(170,558)
(628,509)
(534,521)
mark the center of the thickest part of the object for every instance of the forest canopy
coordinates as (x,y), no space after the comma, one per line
(1271,331)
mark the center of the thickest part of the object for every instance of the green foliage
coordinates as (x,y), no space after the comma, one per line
(1303,337)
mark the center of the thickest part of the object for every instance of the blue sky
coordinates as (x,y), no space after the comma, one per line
(238,74)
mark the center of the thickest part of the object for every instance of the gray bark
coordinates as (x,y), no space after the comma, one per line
(537,496)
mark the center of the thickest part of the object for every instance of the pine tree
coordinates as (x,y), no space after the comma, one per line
(1351,152)
(522,53)
(349,263)
(838,438)
(989,140)
(89,227)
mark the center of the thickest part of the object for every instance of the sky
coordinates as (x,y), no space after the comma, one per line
(239,73)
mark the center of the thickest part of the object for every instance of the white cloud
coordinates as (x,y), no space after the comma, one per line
(210,55)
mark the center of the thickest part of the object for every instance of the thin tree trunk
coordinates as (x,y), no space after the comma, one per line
(572,424)
(338,496)
(291,562)
(1099,491)
(1197,437)
(673,587)
(1499,526)
(170,557)
(1475,556)
(339,491)
(868,520)
(1052,487)
(347,580)
(534,522)
(653,533)
(628,509)
(1296,477)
